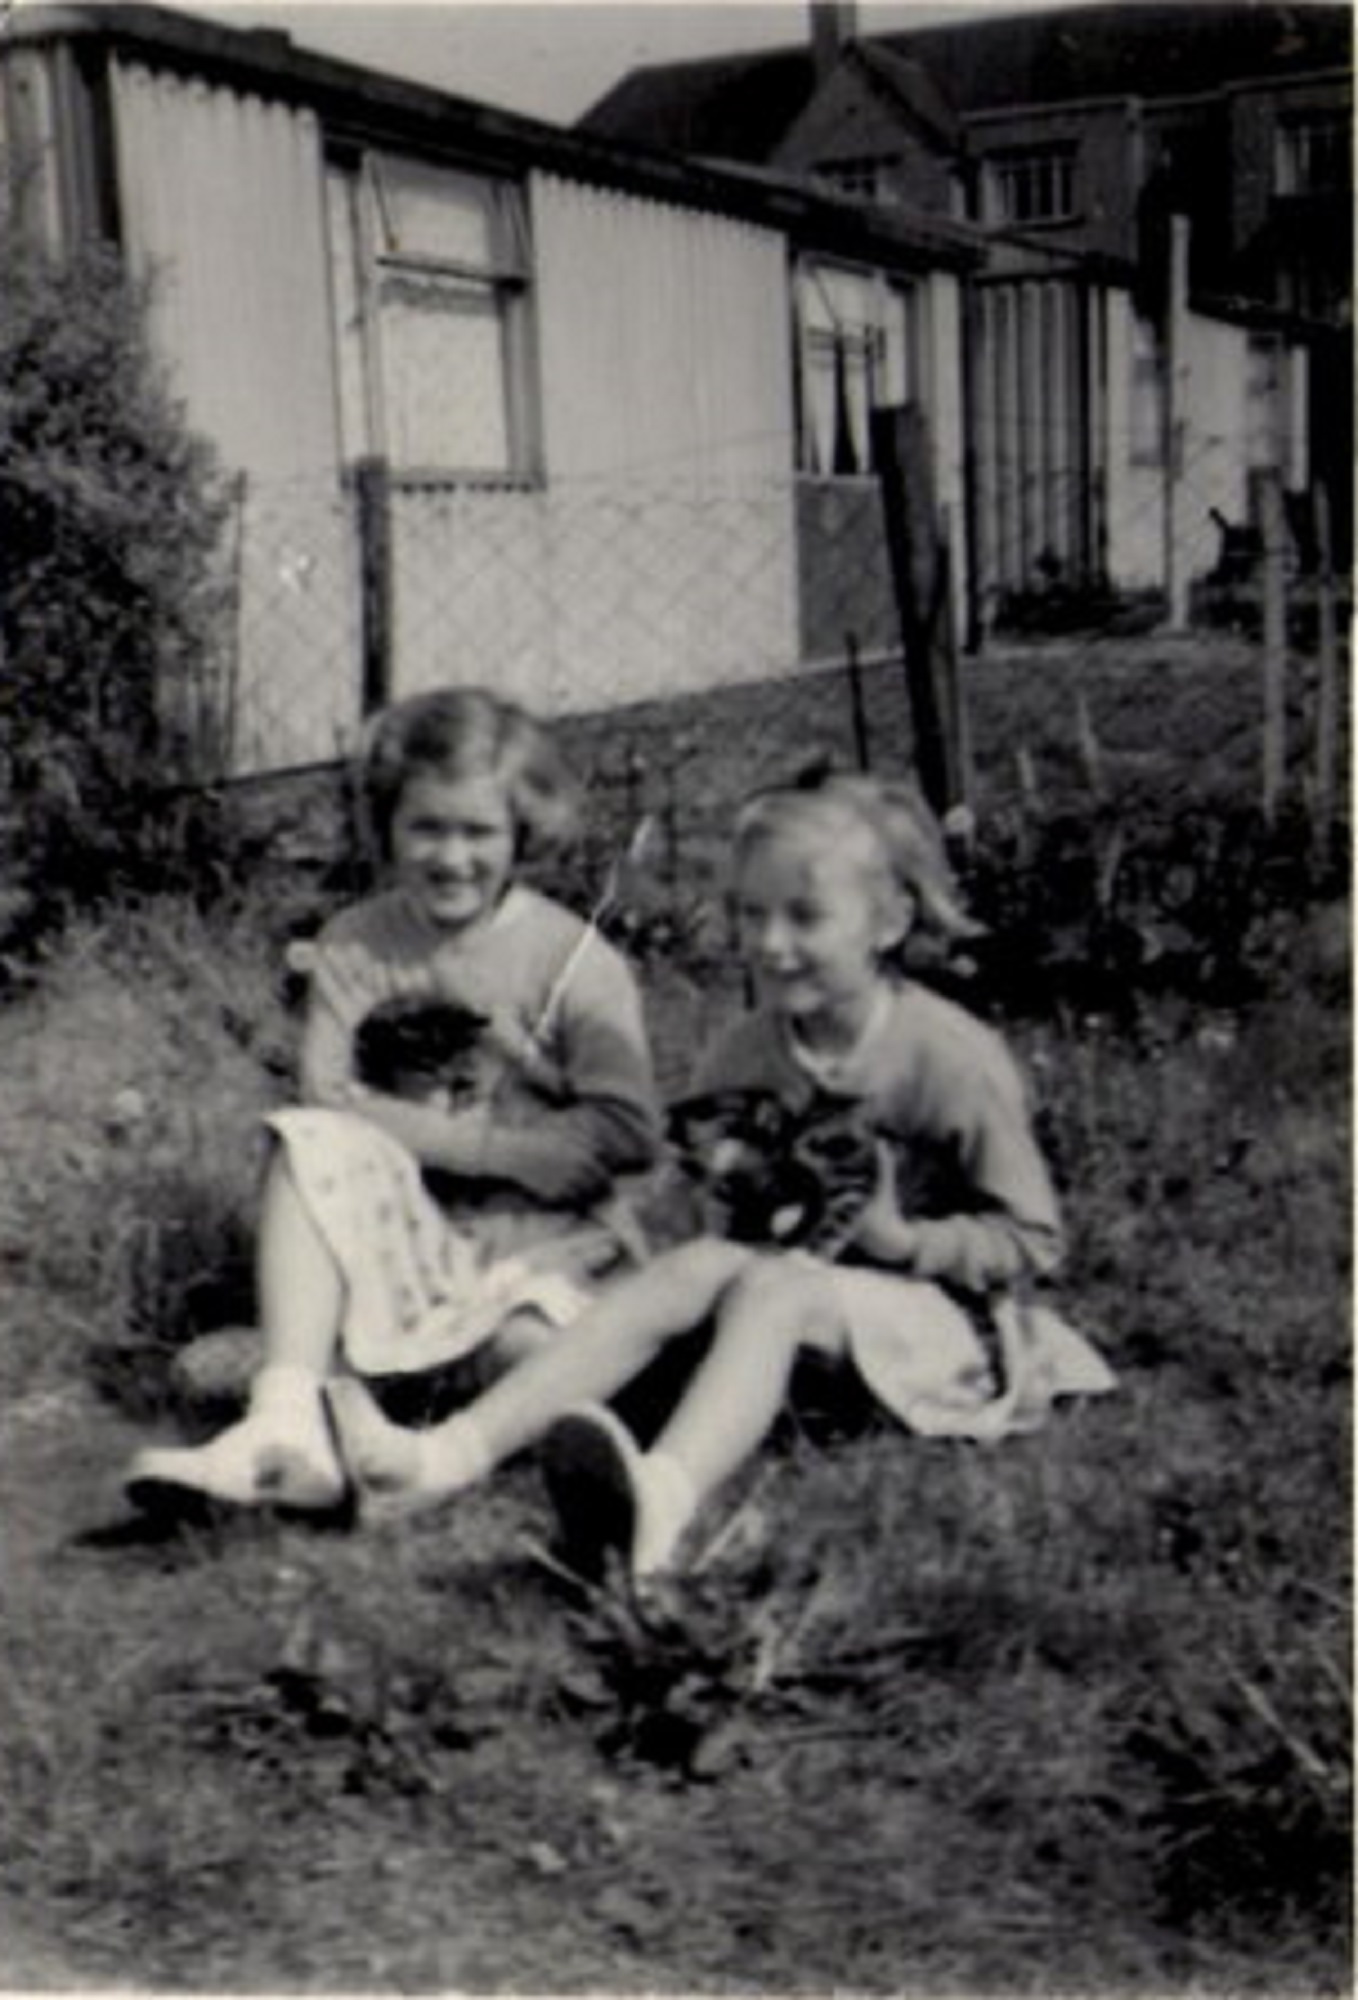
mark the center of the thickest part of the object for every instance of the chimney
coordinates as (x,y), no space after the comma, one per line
(834,24)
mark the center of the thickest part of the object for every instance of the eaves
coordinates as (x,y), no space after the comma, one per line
(367,107)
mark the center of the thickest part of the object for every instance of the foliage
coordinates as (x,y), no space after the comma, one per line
(1104,908)
(110,513)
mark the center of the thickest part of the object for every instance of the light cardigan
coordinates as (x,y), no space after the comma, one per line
(937,1083)
(558,978)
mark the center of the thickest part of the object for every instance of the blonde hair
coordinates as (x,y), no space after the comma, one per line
(468,733)
(889,820)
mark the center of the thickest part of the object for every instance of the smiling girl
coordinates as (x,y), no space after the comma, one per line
(396,1236)
(927,1303)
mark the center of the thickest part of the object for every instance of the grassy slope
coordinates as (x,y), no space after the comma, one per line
(1070,1715)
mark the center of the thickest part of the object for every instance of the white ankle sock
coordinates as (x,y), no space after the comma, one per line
(668,1503)
(454,1455)
(287,1399)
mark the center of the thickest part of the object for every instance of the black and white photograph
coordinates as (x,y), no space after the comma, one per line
(675,998)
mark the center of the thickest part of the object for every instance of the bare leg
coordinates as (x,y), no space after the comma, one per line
(740,1386)
(280,1453)
(605,1349)
(300,1289)
(611,1496)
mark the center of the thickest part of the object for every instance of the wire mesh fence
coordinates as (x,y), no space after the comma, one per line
(579,596)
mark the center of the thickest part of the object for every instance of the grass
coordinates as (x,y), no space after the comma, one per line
(1067,1715)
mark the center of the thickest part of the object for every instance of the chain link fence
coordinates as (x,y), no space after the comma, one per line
(574,598)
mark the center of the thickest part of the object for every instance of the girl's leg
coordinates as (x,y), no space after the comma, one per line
(590,1361)
(300,1289)
(642,1502)
(280,1453)
(741,1384)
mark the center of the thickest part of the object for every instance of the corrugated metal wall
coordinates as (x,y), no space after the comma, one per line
(688,372)
(221,195)
(1031,418)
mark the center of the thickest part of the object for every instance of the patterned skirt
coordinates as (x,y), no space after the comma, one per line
(421,1287)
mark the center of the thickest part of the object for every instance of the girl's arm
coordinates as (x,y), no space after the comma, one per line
(1010,1227)
(572,1152)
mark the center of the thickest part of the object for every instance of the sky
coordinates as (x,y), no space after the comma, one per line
(549,58)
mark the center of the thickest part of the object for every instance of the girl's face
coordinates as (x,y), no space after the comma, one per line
(452,846)
(812,928)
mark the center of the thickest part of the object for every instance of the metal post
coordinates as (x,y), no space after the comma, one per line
(1326,674)
(1275,644)
(900,453)
(372,483)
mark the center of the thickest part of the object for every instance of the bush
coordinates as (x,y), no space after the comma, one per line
(110,514)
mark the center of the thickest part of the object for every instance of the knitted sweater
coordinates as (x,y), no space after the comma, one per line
(559,981)
(944,1091)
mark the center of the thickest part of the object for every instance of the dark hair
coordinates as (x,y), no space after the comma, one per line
(466,733)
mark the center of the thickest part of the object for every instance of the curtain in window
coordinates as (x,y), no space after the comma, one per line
(854,358)
(1148,396)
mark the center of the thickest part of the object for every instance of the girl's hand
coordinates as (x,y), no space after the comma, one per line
(883,1235)
(353,985)
(505,1033)
(471,1144)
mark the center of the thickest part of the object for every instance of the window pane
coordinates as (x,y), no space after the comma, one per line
(1037,186)
(429,212)
(894,384)
(443,376)
(1147,412)
(854,357)
(818,403)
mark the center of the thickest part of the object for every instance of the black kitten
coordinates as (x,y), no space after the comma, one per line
(765,1174)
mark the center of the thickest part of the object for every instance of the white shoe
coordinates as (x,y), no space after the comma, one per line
(247,1465)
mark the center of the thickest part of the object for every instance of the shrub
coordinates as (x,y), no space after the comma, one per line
(110,513)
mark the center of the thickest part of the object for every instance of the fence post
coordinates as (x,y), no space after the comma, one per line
(1326,693)
(961,763)
(857,709)
(372,486)
(230,719)
(901,455)
(1275,644)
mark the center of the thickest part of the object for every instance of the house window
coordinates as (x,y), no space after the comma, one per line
(1147,396)
(1265,403)
(853,352)
(1313,155)
(430,271)
(1036,185)
(865,180)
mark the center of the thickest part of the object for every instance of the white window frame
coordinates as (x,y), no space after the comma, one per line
(419,318)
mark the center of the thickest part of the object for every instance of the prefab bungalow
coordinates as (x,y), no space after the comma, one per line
(499,402)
